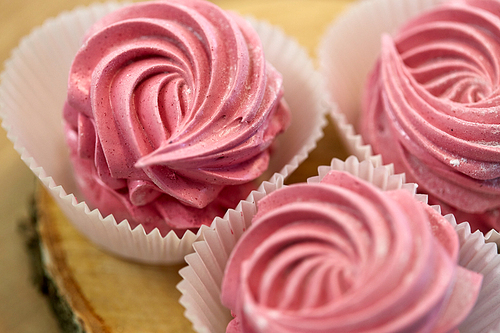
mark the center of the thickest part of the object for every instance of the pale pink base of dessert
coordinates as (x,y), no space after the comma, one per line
(202,278)
(348,51)
(32,93)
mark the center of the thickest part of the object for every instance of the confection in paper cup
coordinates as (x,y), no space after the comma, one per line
(202,278)
(33,90)
(348,52)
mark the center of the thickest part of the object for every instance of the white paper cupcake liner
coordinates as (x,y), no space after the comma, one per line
(32,92)
(202,278)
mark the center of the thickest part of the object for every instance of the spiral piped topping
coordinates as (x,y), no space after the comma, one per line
(343,256)
(172,100)
(431,105)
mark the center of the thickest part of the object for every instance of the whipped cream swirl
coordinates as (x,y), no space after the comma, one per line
(431,105)
(173,103)
(343,256)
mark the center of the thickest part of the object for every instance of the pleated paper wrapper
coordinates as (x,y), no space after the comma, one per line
(33,90)
(202,278)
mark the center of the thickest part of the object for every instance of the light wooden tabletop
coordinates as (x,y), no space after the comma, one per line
(22,308)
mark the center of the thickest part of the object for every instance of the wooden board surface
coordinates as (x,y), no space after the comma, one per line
(108,290)
(105,293)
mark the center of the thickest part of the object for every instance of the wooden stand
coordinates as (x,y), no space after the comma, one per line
(93,291)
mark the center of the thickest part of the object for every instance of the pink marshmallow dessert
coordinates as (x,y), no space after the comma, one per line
(352,250)
(422,92)
(342,256)
(234,102)
(171,114)
(430,107)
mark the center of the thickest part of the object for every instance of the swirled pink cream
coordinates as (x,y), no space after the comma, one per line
(171,113)
(431,107)
(343,256)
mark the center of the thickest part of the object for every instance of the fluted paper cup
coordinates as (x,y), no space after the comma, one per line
(202,278)
(33,90)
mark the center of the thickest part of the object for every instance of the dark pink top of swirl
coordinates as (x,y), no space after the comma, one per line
(432,103)
(343,256)
(174,97)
